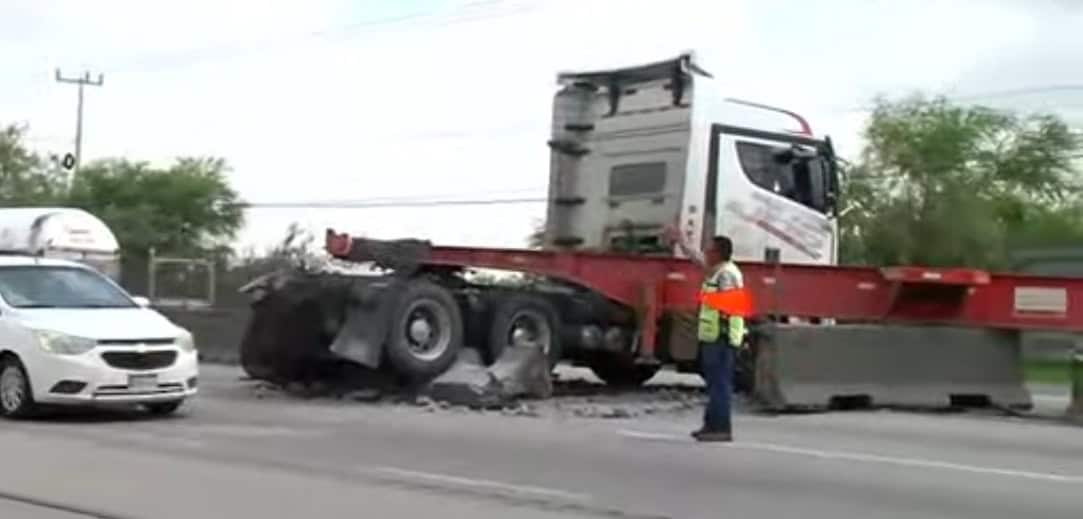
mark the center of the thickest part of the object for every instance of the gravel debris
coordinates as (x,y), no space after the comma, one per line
(573,397)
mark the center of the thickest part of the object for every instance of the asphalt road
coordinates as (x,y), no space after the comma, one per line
(238,452)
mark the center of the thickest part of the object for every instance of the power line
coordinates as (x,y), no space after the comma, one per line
(1039,89)
(475,11)
(466,13)
(367,204)
(471,195)
(994,94)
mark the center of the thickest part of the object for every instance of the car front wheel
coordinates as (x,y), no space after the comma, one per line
(16,399)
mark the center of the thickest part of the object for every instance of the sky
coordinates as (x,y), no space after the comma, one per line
(339,100)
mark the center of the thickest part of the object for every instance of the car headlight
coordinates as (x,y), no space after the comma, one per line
(63,344)
(186,342)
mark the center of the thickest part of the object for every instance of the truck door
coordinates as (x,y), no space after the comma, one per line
(773,190)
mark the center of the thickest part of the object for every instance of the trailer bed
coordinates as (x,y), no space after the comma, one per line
(656,284)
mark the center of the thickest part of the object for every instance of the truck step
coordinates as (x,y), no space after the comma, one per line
(569,148)
(586,127)
(568,241)
(569,200)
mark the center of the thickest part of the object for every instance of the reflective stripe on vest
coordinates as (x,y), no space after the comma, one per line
(710,320)
(725,277)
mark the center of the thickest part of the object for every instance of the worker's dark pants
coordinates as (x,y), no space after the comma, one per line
(717,365)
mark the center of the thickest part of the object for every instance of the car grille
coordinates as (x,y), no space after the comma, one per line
(136,361)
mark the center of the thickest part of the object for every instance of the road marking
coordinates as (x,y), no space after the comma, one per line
(866,458)
(479,483)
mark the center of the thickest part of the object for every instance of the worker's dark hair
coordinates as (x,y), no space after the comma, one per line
(724,246)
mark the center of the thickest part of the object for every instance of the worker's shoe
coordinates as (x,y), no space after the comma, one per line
(712,436)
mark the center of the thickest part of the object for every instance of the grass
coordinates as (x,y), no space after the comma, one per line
(1047,371)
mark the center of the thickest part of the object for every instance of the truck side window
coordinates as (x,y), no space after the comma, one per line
(641,178)
(793,181)
(757,161)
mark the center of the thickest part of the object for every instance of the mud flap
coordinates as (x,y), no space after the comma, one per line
(928,367)
(293,317)
(367,319)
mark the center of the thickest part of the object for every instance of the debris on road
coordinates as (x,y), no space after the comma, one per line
(467,383)
(520,372)
(574,395)
(370,394)
(523,372)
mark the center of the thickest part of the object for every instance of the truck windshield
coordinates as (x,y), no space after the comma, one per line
(59,287)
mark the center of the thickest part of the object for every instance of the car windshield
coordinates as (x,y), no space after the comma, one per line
(59,287)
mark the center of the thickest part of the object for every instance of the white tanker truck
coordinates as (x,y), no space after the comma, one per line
(62,233)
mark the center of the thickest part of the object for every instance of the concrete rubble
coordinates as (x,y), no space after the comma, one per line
(518,373)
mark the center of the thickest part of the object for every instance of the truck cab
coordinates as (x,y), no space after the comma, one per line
(640,148)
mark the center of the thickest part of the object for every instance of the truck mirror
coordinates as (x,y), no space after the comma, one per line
(141,301)
(784,156)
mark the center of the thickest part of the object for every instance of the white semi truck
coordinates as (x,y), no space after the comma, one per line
(634,150)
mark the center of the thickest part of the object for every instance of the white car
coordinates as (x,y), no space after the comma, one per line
(71,336)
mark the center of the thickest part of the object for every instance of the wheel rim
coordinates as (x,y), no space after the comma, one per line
(12,388)
(530,328)
(427,328)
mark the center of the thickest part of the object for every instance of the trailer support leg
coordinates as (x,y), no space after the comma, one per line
(1075,408)
(648,323)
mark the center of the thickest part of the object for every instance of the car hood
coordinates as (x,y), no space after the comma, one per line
(102,323)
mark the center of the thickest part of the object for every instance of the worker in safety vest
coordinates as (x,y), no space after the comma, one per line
(720,332)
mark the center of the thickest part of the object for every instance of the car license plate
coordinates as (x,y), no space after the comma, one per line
(142,382)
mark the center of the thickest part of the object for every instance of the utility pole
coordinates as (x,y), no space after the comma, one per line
(81,81)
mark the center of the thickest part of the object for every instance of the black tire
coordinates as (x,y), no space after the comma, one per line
(163,408)
(621,370)
(426,331)
(16,396)
(536,320)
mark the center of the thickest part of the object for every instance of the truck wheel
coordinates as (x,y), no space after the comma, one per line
(621,370)
(427,331)
(526,320)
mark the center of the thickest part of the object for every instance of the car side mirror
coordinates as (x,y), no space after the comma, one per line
(141,301)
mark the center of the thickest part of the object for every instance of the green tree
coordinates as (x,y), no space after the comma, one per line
(187,208)
(25,177)
(536,239)
(940,184)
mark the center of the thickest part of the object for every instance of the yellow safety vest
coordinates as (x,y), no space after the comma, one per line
(725,276)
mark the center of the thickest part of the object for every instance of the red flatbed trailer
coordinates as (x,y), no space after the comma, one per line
(902,335)
(655,285)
